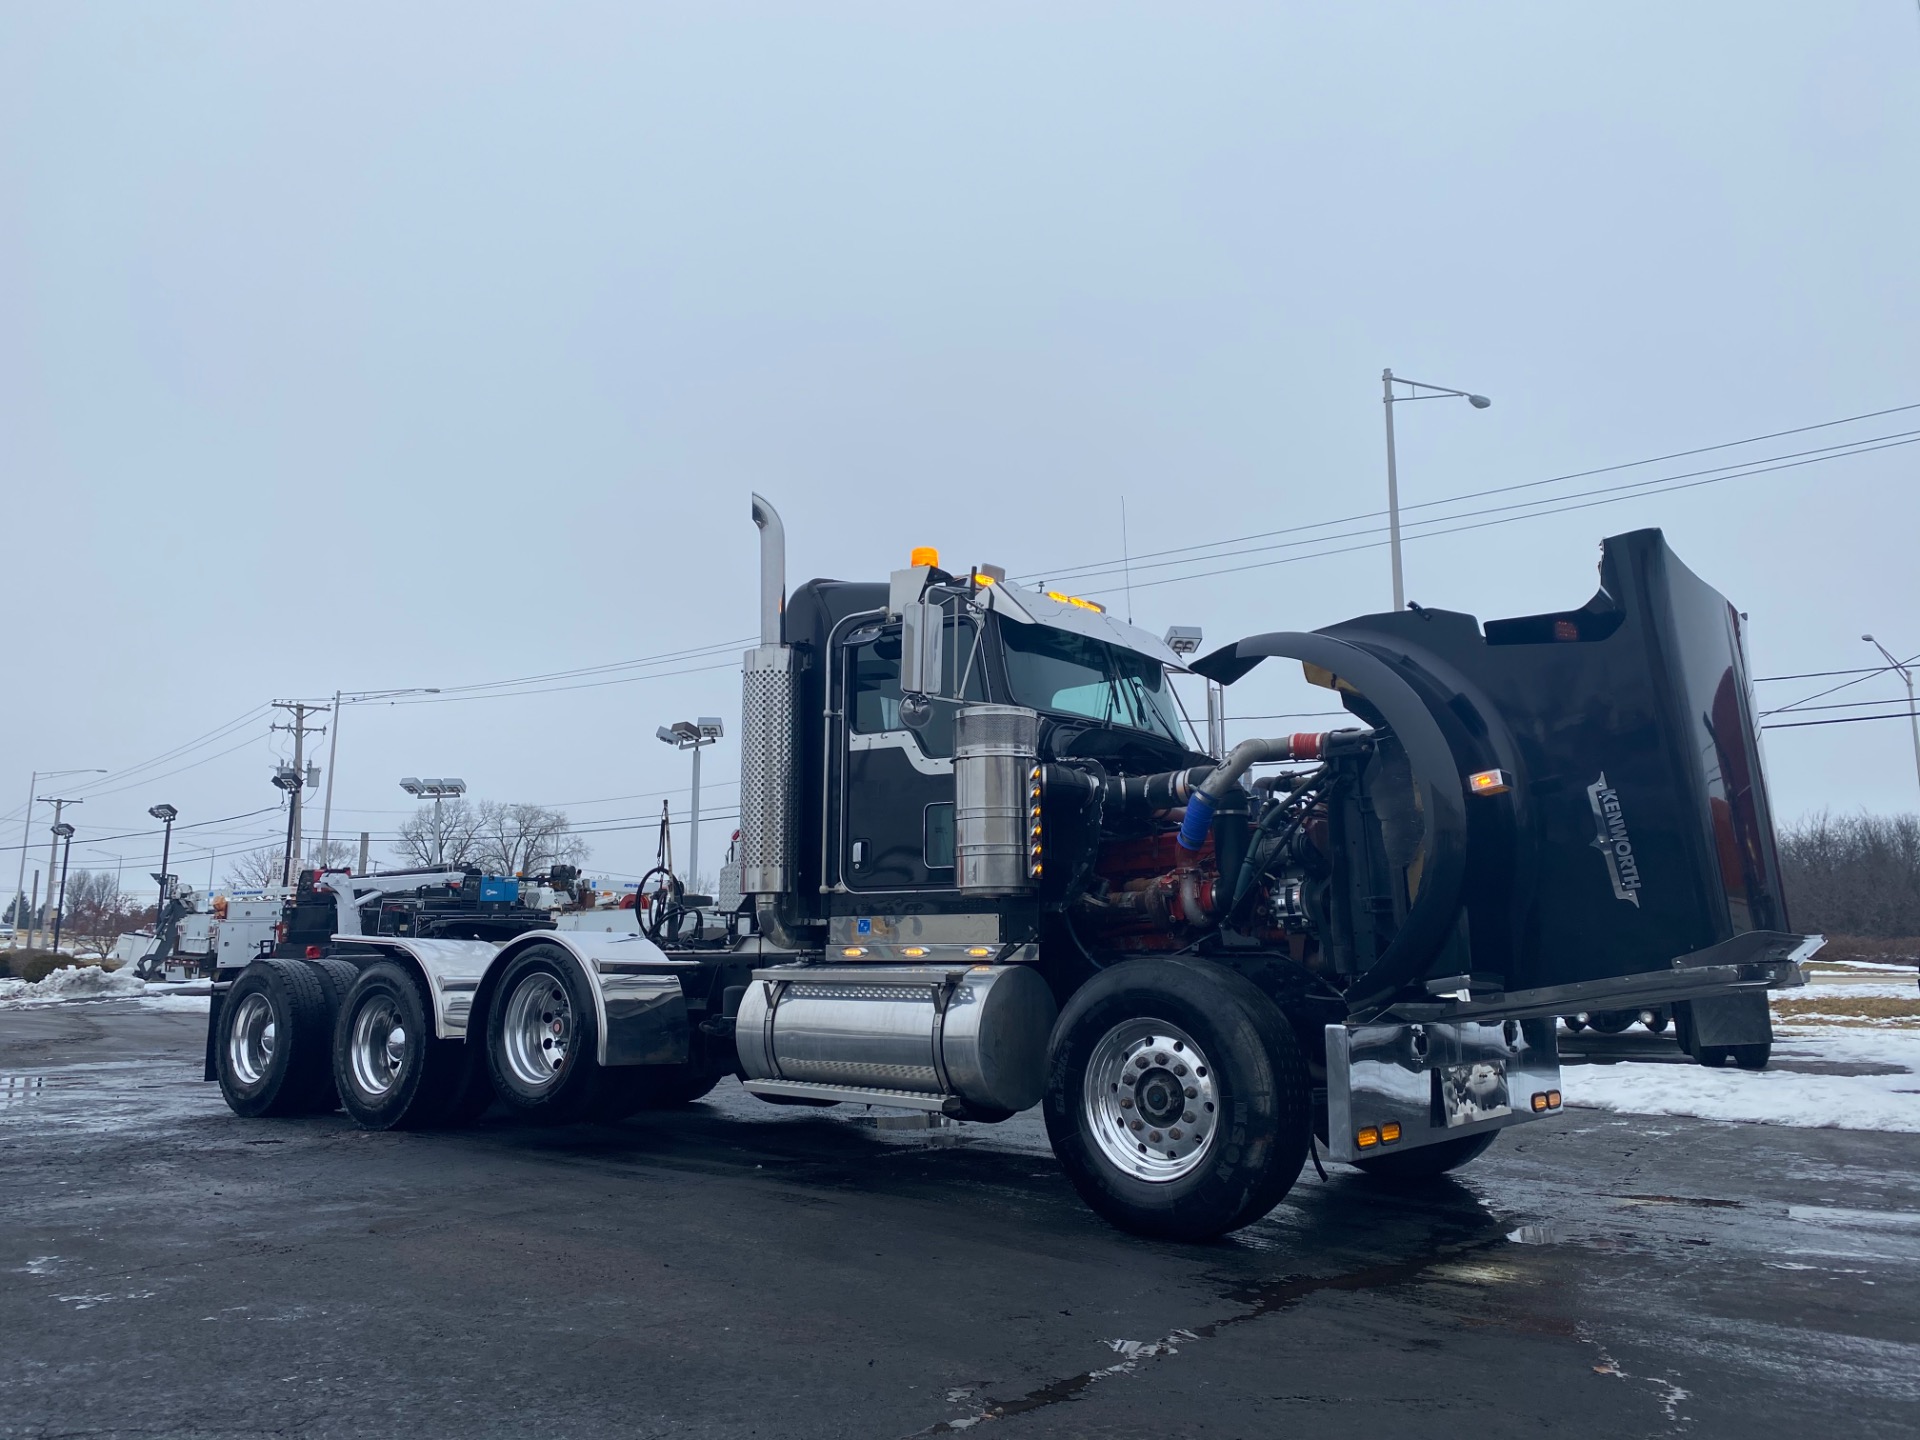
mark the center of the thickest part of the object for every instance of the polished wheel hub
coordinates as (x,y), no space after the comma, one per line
(1150,1100)
(250,1039)
(538,1029)
(379,1046)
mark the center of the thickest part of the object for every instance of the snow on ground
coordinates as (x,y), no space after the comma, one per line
(1780,1095)
(72,982)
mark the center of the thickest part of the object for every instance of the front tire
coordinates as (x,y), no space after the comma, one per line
(1178,1099)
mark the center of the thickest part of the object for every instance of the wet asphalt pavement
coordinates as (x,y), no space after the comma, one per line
(739,1269)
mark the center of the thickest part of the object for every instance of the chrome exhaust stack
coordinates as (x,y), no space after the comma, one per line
(767,738)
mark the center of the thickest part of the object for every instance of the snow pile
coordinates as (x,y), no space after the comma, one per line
(1776,1096)
(72,982)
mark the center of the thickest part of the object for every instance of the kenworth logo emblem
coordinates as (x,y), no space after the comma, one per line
(1613,842)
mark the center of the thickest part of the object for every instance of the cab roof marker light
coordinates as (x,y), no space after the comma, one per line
(1489,782)
(1077,602)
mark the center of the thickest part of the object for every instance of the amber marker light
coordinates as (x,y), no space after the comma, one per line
(979,950)
(1490,782)
(853,952)
(1553,1099)
(1389,1133)
(1367,1138)
(915,950)
(1540,1102)
(925,555)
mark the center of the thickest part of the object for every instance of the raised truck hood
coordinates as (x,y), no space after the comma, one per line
(1632,861)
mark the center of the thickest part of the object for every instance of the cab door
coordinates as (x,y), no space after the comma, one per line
(896,830)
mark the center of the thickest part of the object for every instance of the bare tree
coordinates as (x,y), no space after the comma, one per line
(257,869)
(1853,874)
(448,834)
(96,911)
(522,839)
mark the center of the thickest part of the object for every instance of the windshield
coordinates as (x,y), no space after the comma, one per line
(1072,675)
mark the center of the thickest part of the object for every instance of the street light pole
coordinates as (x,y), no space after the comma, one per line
(26,839)
(53,858)
(62,831)
(1420,391)
(166,814)
(694,735)
(436,791)
(1906,675)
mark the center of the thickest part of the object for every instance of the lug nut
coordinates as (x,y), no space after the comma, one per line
(1154,1136)
(1159,1059)
(1179,1069)
(1126,1102)
(1190,1093)
(1136,1125)
(1189,1117)
(1174,1134)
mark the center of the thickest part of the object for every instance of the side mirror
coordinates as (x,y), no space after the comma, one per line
(922,640)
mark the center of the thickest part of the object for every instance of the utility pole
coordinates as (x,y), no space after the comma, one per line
(293,779)
(26,836)
(1419,391)
(53,850)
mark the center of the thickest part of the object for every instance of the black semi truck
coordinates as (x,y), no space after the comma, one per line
(983,866)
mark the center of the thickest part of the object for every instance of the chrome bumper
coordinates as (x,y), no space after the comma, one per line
(1395,1087)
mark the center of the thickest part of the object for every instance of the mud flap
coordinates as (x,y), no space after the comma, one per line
(1725,1021)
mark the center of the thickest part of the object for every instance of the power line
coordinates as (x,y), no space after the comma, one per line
(1843,719)
(1480,525)
(1535,508)
(1844,685)
(1073,570)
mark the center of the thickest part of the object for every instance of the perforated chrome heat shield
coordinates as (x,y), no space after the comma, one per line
(767,770)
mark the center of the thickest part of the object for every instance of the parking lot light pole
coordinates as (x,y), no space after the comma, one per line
(26,839)
(166,814)
(1420,391)
(62,832)
(1906,675)
(694,735)
(436,791)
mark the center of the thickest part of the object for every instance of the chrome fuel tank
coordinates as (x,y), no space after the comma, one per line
(881,1032)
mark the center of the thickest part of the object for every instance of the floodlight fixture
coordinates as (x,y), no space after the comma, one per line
(163,812)
(1183,639)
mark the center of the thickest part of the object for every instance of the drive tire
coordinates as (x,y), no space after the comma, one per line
(1751,1057)
(1427,1162)
(1573,1023)
(389,1069)
(1248,1148)
(542,1013)
(271,1058)
(1613,1022)
(336,979)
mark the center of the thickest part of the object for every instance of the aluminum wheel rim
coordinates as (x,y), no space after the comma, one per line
(250,1039)
(379,1046)
(1150,1100)
(537,1029)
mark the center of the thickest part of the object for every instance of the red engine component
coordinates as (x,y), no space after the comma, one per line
(1155,893)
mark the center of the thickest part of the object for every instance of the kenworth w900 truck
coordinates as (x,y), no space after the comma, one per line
(983,867)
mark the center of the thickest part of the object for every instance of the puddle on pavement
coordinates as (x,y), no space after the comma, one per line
(19,1089)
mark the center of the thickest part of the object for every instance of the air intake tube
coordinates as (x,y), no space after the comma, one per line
(1209,796)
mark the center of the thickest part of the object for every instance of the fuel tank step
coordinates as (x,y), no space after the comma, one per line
(808,1090)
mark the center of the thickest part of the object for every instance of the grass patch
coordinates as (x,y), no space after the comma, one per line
(1866,1007)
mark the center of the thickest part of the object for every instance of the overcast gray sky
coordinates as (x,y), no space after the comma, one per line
(361,346)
